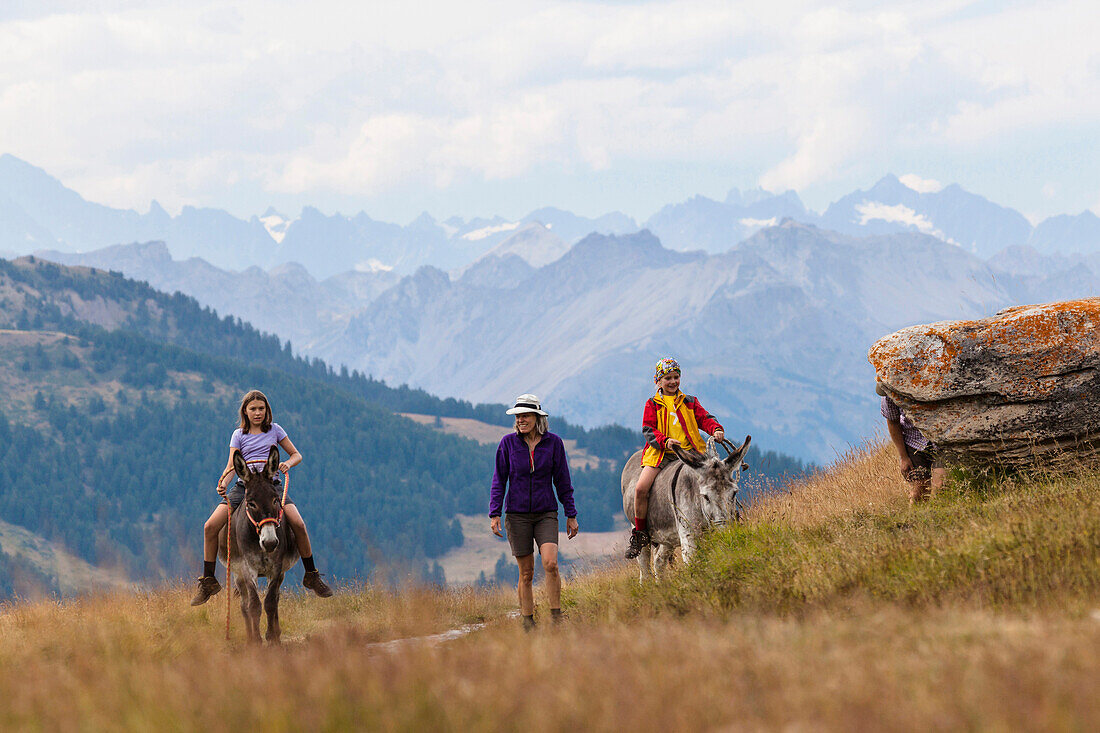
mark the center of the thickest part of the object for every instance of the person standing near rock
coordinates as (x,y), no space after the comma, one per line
(918,458)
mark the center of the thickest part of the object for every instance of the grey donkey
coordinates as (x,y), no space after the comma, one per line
(262,544)
(687,498)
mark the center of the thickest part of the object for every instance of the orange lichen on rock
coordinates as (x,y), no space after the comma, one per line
(1029,375)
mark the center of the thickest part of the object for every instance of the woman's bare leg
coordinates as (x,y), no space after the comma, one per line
(526,576)
(549,553)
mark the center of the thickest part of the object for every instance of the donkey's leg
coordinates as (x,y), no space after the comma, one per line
(250,607)
(645,564)
(254,606)
(271,606)
(242,582)
(687,543)
(661,561)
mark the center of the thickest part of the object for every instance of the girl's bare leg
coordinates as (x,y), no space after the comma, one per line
(301,536)
(641,490)
(210,530)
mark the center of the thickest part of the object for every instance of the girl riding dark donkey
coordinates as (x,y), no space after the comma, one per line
(255,437)
(671,418)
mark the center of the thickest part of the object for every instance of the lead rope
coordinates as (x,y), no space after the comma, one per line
(228,550)
(228,564)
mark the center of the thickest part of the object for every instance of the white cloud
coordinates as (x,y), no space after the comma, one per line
(899,214)
(921,185)
(760,222)
(175,101)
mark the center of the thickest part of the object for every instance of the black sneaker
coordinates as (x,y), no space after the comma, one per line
(312,580)
(208,587)
(639,538)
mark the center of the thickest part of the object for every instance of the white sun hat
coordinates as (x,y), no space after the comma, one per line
(527,403)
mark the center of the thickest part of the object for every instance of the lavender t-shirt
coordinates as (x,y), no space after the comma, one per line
(256,447)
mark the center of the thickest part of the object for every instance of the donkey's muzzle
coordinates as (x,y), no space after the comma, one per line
(269,538)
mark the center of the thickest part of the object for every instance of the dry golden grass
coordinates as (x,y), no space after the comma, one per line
(837,608)
(866,478)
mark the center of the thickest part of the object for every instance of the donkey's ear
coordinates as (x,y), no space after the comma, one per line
(239,465)
(690,457)
(738,454)
(271,468)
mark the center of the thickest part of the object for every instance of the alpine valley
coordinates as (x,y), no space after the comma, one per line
(769,306)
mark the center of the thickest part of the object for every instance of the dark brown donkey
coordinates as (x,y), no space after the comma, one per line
(263,544)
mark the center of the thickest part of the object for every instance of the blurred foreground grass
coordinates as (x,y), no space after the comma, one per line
(834,606)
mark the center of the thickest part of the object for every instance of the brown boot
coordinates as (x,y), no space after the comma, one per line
(208,587)
(312,580)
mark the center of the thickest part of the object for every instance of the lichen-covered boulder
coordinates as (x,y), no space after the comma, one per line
(1021,388)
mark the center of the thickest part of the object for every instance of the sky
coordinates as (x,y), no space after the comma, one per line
(484,107)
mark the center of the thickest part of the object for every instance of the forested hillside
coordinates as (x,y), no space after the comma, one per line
(54,294)
(118,403)
(117,452)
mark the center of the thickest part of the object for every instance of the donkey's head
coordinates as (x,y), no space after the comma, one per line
(716,481)
(262,499)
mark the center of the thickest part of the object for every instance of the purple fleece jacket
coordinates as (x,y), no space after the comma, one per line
(531,478)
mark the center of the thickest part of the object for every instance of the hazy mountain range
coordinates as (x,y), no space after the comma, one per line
(38,212)
(773,333)
(769,306)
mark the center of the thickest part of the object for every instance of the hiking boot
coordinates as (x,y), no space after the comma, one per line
(312,580)
(528,623)
(208,587)
(639,538)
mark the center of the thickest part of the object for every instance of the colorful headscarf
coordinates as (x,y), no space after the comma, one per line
(664,367)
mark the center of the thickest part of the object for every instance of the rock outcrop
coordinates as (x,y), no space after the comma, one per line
(1021,388)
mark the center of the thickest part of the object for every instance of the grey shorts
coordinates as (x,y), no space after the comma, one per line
(923,463)
(235,495)
(525,529)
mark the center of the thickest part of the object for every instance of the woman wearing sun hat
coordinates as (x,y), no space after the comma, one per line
(531,477)
(670,418)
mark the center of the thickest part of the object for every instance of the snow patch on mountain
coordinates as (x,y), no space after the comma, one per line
(372,265)
(760,223)
(276,224)
(535,243)
(484,232)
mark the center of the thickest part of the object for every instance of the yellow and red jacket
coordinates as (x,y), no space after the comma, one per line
(691,416)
